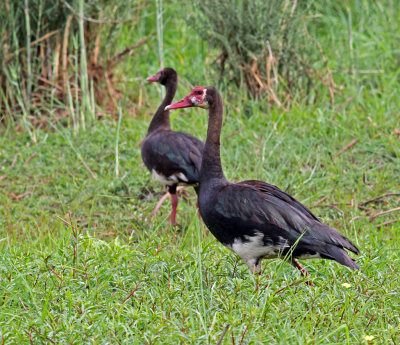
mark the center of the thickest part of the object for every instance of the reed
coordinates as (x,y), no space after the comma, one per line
(53,53)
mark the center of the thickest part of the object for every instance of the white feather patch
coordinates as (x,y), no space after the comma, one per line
(163,179)
(254,248)
(182,177)
(169,180)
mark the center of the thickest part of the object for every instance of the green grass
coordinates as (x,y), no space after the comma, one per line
(188,287)
(82,260)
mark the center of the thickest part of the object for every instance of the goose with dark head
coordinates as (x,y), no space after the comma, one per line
(173,158)
(255,219)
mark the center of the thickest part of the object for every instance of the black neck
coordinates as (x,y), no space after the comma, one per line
(161,117)
(211,167)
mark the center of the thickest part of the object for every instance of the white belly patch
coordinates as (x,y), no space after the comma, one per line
(169,180)
(254,248)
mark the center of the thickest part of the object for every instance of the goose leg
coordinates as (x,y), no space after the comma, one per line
(165,197)
(254,264)
(160,202)
(302,270)
(174,203)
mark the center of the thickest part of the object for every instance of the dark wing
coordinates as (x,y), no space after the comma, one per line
(273,212)
(197,147)
(194,141)
(272,190)
(173,153)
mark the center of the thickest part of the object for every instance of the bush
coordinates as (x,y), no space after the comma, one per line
(262,44)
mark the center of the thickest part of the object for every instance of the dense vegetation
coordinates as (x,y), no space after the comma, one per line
(82,260)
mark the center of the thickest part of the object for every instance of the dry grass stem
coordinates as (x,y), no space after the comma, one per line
(30,157)
(14,161)
(98,21)
(9,57)
(320,201)
(372,218)
(348,146)
(131,294)
(379,198)
(223,335)
(392,221)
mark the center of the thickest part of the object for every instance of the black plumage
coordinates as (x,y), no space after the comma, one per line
(253,218)
(174,158)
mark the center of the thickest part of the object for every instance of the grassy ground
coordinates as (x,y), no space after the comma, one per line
(82,260)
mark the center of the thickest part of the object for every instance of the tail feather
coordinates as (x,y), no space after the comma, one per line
(346,243)
(339,255)
(331,236)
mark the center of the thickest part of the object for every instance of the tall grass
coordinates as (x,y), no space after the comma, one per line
(75,75)
(56,66)
(359,38)
(160,31)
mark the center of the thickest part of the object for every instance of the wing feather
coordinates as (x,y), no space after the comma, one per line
(268,209)
(172,153)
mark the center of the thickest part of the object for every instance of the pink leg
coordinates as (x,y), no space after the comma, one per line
(302,270)
(164,197)
(174,202)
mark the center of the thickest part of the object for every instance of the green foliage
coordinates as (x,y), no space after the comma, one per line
(55,62)
(359,39)
(262,44)
(183,286)
(26,21)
